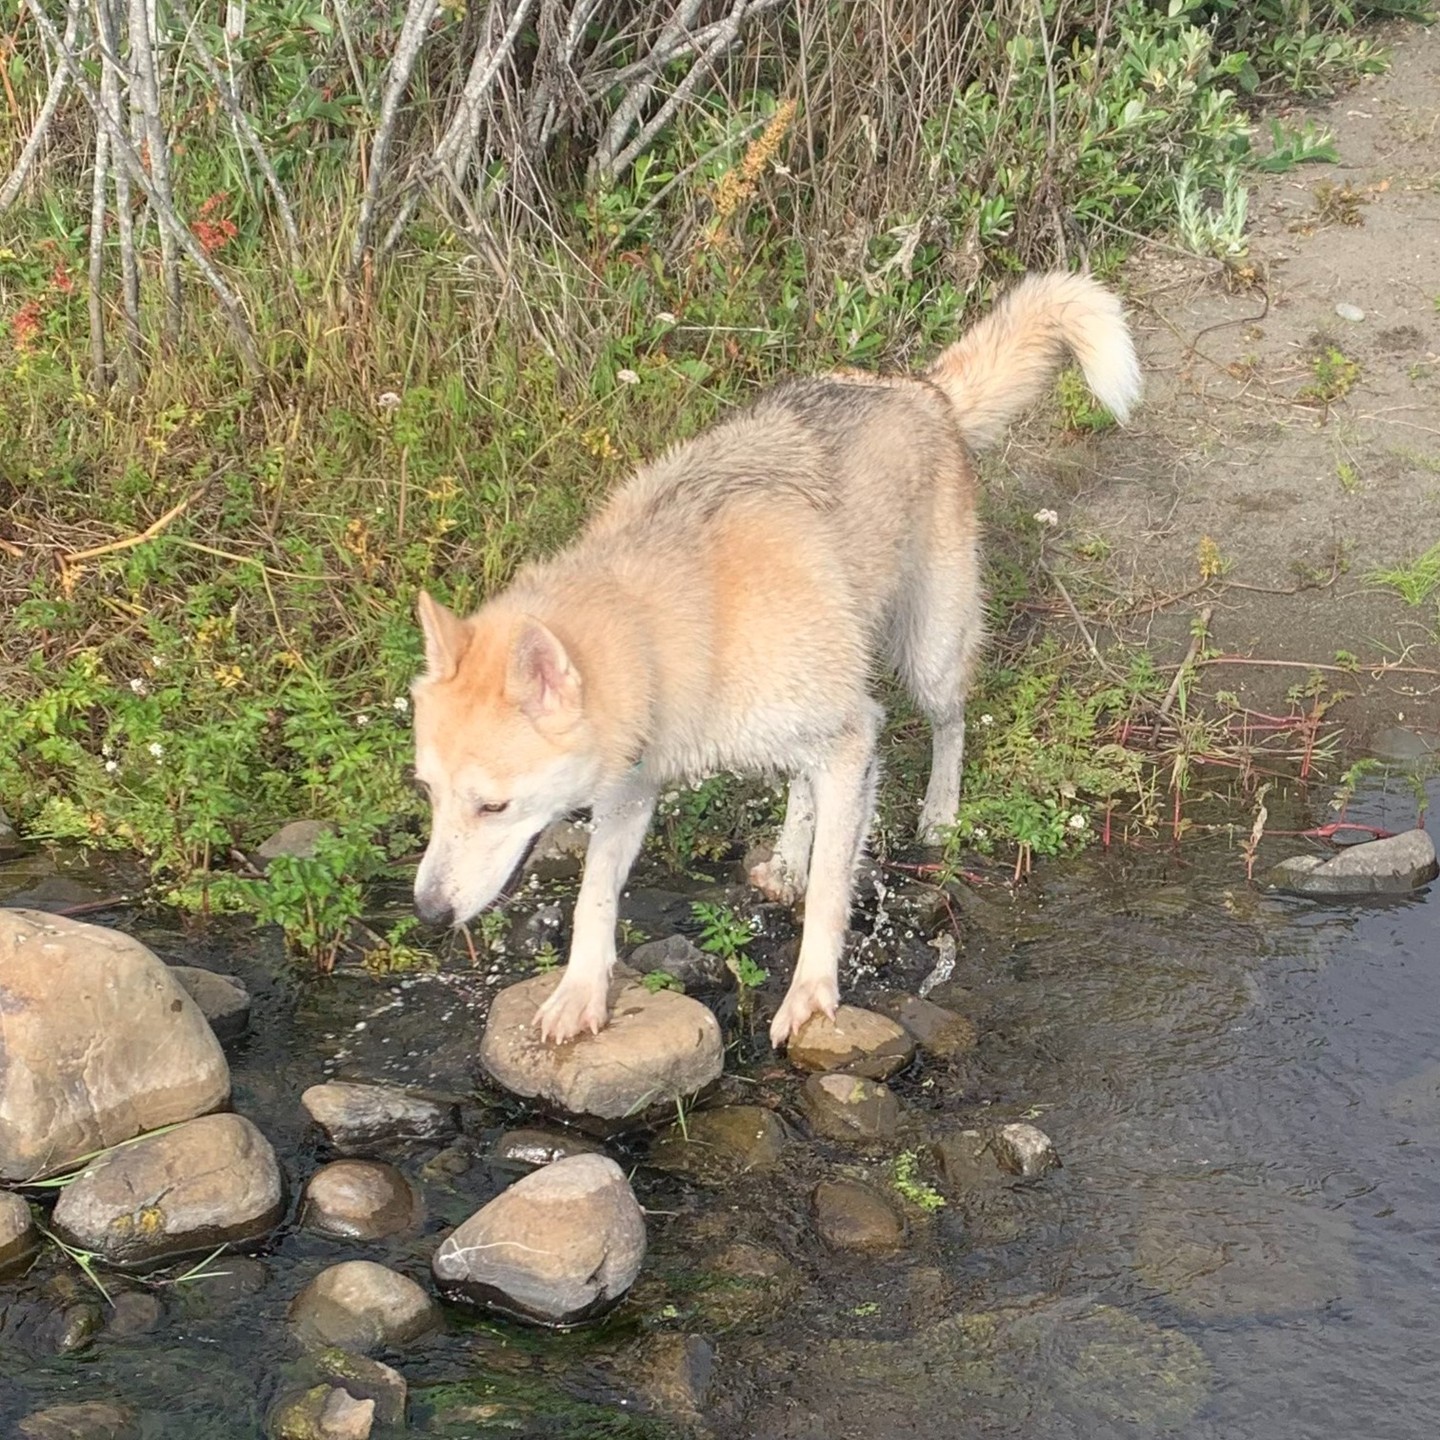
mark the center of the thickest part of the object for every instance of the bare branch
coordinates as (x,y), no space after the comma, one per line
(145,91)
(418,16)
(124,151)
(99,375)
(244,129)
(53,94)
(107,36)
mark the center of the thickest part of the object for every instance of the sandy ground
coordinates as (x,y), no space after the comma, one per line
(1302,501)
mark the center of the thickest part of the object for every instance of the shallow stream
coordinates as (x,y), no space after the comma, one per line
(1244,1241)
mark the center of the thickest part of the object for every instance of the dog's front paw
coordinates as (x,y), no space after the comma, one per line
(806,997)
(776,881)
(574,1007)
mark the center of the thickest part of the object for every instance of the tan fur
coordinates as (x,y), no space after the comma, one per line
(725,611)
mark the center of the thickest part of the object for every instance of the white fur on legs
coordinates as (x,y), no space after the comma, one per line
(942,794)
(844,789)
(782,877)
(580,1001)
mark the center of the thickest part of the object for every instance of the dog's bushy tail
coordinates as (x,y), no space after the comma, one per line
(1005,363)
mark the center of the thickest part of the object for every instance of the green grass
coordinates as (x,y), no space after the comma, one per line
(209,601)
(1414,583)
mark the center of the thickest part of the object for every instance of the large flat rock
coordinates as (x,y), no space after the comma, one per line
(101,1044)
(657,1049)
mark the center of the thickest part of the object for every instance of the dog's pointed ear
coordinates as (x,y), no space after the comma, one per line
(542,680)
(446,636)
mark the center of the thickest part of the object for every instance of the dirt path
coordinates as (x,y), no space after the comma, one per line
(1293,494)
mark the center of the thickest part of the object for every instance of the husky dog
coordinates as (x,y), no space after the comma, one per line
(726,610)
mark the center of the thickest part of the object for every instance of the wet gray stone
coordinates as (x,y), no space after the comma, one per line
(298,840)
(18,1236)
(850,1215)
(970,1162)
(560,851)
(361,1306)
(717,1145)
(694,968)
(1395,865)
(223,999)
(101,1044)
(204,1183)
(91,1420)
(359,1200)
(850,1107)
(354,1116)
(657,1049)
(855,1042)
(535,1147)
(9,837)
(1024,1150)
(561,1245)
(939,1032)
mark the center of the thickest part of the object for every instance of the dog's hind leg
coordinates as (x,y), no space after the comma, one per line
(936,646)
(782,876)
(844,791)
(581,1000)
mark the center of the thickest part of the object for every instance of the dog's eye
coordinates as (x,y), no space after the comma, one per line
(494,808)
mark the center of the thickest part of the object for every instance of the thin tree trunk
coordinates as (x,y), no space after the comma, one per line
(108,34)
(146,88)
(58,81)
(99,371)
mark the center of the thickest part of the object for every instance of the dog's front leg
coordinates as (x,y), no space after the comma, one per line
(844,789)
(580,1001)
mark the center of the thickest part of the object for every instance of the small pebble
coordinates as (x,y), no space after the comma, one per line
(1346,311)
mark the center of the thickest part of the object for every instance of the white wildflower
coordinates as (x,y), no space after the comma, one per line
(666,318)
(156,749)
(979,832)
(1077,822)
(106,749)
(1046,517)
(627,377)
(388,400)
(362,719)
(111,766)
(158,661)
(139,686)
(987,720)
(400,705)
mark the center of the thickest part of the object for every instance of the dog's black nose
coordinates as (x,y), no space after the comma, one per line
(434,912)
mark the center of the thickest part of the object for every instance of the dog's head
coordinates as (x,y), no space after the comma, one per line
(503,747)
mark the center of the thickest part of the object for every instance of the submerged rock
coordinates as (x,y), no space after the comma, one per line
(355,1116)
(674,1372)
(657,1049)
(850,1215)
(101,1044)
(133,1312)
(223,999)
(716,1145)
(694,968)
(850,1107)
(365,1379)
(1395,865)
(361,1306)
(1024,1150)
(1224,1247)
(18,1236)
(324,1412)
(559,1246)
(359,1200)
(535,1147)
(207,1182)
(91,1420)
(939,1032)
(855,1042)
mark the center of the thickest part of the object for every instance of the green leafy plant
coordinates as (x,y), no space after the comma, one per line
(1308,144)
(906,1179)
(1414,583)
(1334,375)
(724,933)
